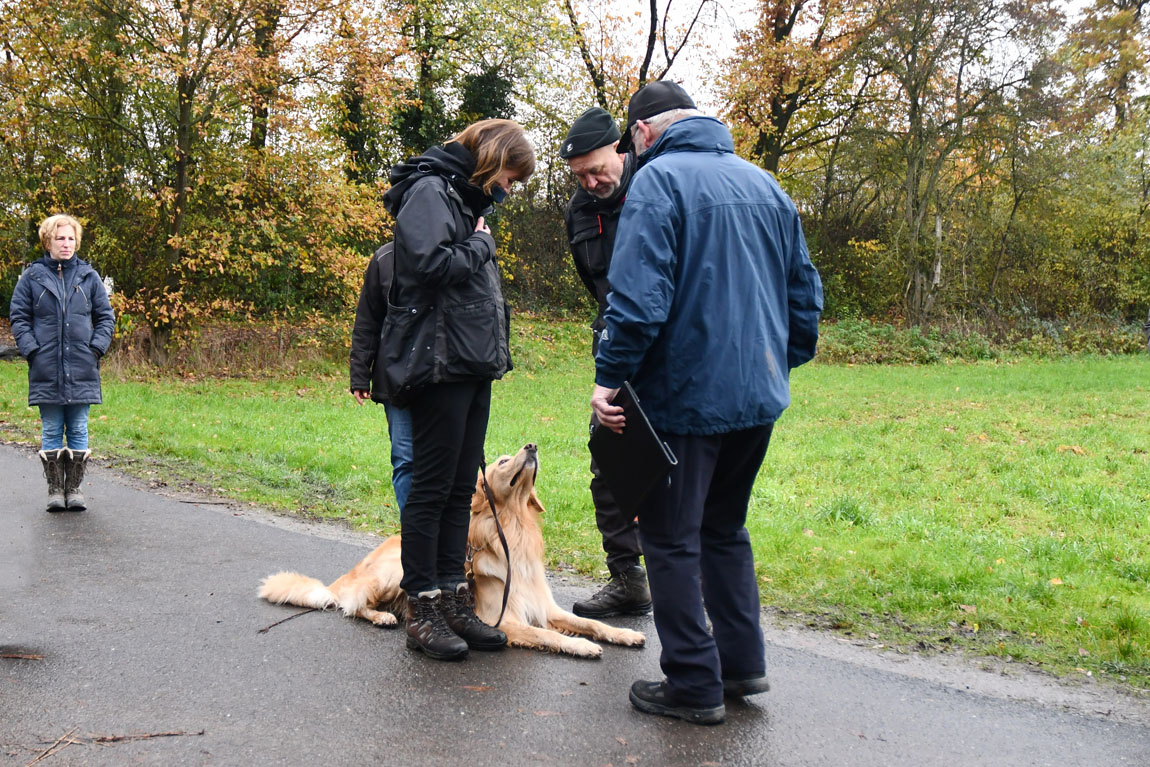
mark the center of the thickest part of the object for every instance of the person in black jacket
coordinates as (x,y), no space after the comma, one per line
(443,341)
(370,314)
(592,216)
(63,323)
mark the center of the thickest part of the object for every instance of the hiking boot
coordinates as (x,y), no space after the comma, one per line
(625,594)
(652,698)
(739,687)
(75,464)
(428,632)
(459,612)
(53,461)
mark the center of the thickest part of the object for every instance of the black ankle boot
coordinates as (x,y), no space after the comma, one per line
(626,594)
(427,631)
(459,612)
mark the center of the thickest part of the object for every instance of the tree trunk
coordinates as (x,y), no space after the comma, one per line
(267,21)
(159,340)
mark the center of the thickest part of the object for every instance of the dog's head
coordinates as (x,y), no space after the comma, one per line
(512,482)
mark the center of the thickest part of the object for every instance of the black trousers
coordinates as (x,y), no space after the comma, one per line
(698,553)
(619,530)
(448,428)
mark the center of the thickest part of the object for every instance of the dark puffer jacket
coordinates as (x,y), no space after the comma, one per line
(447,320)
(63,323)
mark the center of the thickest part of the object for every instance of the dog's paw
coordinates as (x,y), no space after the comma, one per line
(628,638)
(379,617)
(582,648)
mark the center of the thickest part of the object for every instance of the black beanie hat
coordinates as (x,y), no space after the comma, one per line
(591,130)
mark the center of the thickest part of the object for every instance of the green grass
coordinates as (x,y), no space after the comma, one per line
(999,507)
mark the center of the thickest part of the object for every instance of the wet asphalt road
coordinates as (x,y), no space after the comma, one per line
(144,612)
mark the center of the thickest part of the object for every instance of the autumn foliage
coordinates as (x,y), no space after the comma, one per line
(966,159)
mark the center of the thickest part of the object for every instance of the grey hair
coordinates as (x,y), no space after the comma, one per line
(660,122)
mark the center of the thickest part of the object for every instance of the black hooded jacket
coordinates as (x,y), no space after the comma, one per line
(447,320)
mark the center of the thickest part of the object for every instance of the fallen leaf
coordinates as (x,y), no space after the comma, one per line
(622,742)
(968,608)
(808,532)
(1000,561)
(1077,450)
(1083,652)
(1055,581)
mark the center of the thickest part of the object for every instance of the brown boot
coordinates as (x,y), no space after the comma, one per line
(53,461)
(459,612)
(428,632)
(75,464)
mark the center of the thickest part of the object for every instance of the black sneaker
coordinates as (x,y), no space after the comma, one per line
(428,632)
(625,594)
(734,687)
(459,612)
(651,698)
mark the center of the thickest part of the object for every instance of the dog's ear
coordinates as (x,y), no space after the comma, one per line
(478,498)
(534,504)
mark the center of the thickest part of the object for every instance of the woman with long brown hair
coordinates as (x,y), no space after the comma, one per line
(443,342)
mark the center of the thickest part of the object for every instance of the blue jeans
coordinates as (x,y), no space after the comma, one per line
(399,432)
(58,420)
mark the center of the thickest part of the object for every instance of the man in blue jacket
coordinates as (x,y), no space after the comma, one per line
(714,299)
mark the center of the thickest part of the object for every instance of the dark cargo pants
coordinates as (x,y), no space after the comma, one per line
(698,552)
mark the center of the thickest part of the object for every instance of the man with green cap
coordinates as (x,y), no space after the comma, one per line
(592,216)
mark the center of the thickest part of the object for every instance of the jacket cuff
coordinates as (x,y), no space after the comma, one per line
(490,240)
(608,381)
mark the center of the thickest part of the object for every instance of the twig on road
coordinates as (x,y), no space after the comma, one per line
(66,740)
(21,656)
(55,747)
(266,629)
(142,736)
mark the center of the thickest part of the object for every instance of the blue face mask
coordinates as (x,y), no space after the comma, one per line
(498,193)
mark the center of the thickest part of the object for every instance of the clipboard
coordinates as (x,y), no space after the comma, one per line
(634,462)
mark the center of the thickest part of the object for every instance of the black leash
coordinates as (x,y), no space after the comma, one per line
(502,538)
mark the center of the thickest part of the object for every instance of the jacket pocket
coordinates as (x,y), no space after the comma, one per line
(588,243)
(406,359)
(471,335)
(42,367)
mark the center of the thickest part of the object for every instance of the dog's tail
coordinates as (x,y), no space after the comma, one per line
(295,589)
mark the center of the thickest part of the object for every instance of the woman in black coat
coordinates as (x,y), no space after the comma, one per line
(443,341)
(62,322)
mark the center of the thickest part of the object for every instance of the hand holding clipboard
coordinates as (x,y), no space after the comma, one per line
(635,460)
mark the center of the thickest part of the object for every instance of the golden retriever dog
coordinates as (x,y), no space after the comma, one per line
(532,619)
